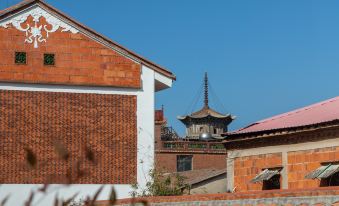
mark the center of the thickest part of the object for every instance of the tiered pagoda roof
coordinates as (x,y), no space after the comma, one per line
(206,111)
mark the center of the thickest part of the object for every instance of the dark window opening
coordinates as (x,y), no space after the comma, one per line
(20,57)
(332,180)
(49,59)
(272,184)
(270,178)
(184,163)
(215,131)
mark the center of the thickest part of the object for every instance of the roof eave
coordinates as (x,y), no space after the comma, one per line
(280,131)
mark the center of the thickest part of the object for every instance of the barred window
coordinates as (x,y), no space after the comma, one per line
(184,163)
(49,59)
(20,57)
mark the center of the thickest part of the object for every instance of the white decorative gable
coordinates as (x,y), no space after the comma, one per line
(34,32)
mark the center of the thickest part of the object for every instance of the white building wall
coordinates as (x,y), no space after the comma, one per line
(145,124)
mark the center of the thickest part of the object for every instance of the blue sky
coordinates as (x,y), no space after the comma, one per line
(263,57)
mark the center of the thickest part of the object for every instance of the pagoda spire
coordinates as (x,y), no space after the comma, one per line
(206,91)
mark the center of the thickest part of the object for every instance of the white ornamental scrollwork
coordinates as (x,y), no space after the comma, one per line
(34,33)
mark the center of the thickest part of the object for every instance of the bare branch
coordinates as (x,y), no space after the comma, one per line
(4,201)
(30,157)
(30,199)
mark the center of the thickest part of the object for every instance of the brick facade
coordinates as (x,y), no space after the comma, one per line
(39,120)
(79,60)
(246,168)
(168,161)
(300,163)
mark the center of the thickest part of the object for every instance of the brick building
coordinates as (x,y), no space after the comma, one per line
(62,83)
(201,148)
(295,150)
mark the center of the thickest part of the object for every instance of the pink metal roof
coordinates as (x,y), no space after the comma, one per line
(325,111)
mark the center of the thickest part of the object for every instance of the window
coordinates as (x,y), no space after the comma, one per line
(184,163)
(201,129)
(270,179)
(327,173)
(272,184)
(215,131)
(49,59)
(20,57)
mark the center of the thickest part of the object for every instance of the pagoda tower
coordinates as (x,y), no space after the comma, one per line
(206,124)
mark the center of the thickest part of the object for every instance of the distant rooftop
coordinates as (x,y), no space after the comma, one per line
(322,112)
(196,176)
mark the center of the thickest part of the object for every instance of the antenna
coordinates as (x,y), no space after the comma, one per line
(206,91)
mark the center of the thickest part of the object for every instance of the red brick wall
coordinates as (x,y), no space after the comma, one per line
(37,120)
(301,163)
(246,168)
(157,134)
(168,161)
(79,61)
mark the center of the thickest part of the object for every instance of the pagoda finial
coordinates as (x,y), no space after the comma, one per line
(206,91)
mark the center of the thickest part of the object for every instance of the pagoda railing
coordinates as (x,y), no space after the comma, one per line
(192,146)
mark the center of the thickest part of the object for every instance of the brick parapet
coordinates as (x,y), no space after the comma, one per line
(319,196)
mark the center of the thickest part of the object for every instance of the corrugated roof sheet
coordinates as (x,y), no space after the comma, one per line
(323,172)
(314,174)
(265,175)
(329,171)
(325,111)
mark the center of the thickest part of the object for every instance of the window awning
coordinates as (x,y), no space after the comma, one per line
(323,172)
(265,175)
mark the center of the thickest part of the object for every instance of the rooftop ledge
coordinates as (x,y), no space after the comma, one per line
(326,195)
(162,82)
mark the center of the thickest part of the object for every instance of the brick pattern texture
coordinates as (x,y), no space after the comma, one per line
(79,60)
(168,161)
(246,168)
(40,121)
(300,163)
